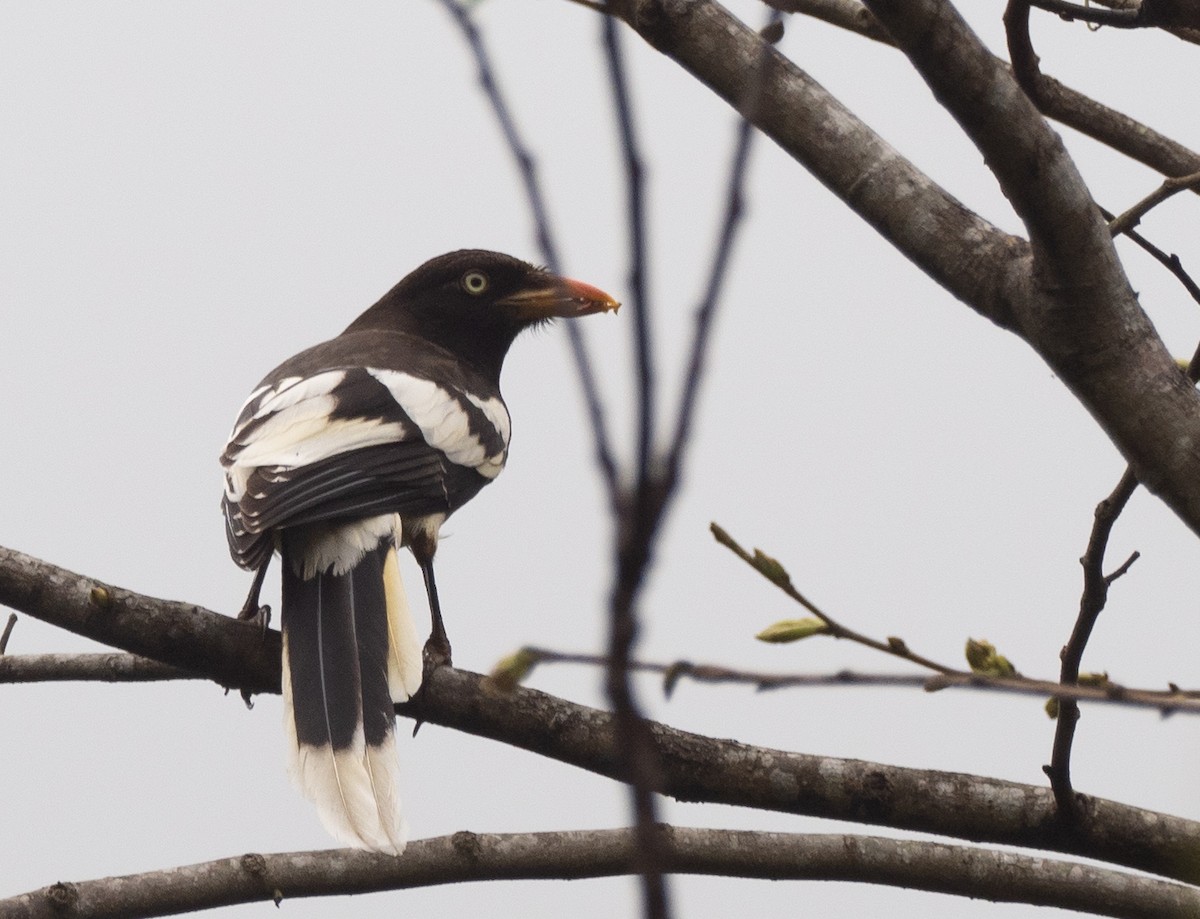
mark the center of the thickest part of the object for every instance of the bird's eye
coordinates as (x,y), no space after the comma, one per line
(474,282)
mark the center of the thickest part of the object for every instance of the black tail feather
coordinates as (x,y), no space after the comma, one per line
(336,648)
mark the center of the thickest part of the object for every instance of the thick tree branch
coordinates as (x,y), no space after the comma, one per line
(701,769)
(1076,307)
(1076,310)
(957,248)
(1072,247)
(918,865)
(1065,105)
(237,655)
(695,768)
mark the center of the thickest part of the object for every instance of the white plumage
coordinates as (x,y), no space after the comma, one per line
(444,423)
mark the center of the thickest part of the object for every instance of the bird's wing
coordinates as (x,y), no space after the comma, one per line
(353,441)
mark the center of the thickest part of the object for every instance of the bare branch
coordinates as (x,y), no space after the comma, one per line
(734,208)
(7,633)
(1172,186)
(1129,18)
(914,864)
(1076,309)
(955,247)
(1065,105)
(234,654)
(636,216)
(695,768)
(527,166)
(1166,702)
(700,769)
(113,667)
(1071,246)
(1091,604)
(1173,264)
(775,573)
(637,519)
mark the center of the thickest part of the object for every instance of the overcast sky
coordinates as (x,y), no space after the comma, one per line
(194,191)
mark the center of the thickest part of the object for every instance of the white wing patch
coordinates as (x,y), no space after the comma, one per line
(289,424)
(444,424)
(284,394)
(298,429)
(497,415)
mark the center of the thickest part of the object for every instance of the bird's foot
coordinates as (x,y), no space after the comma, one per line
(436,653)
(256,615)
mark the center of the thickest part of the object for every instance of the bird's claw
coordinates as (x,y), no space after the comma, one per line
(436,653)
(256,615)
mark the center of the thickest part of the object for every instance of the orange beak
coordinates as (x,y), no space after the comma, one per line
(562,297)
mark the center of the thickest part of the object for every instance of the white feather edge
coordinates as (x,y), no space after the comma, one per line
(405,662)
(354,790)
(298,430)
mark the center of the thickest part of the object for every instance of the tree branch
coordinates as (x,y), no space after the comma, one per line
(234,654)
(1091,604)
(695,768)
(7,633)
(702,769)
(1129,18)
(1114,129)
(914,864)
(637,515)
(1076,310)
(1166,702)
(957,248)
(527,167)
(1172,186)
(1072,247)
(112,667)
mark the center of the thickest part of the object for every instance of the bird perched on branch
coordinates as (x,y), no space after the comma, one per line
(343,454)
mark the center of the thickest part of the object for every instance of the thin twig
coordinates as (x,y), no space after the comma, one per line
(1164,701)
(643,341)
(1020,48)
(7,633)
(1091,604)
(637,522)
(1170,187)
(775,573)
(1173,264)
(706,312)
(527,167)
(1118,18)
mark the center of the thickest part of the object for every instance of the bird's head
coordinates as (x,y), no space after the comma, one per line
(474,303)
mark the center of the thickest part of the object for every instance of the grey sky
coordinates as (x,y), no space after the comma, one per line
(194,191)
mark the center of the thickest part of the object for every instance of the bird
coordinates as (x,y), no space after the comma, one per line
(349,451)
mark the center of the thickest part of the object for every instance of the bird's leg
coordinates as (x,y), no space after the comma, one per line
(421,536)
(251,611)
(437,648)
